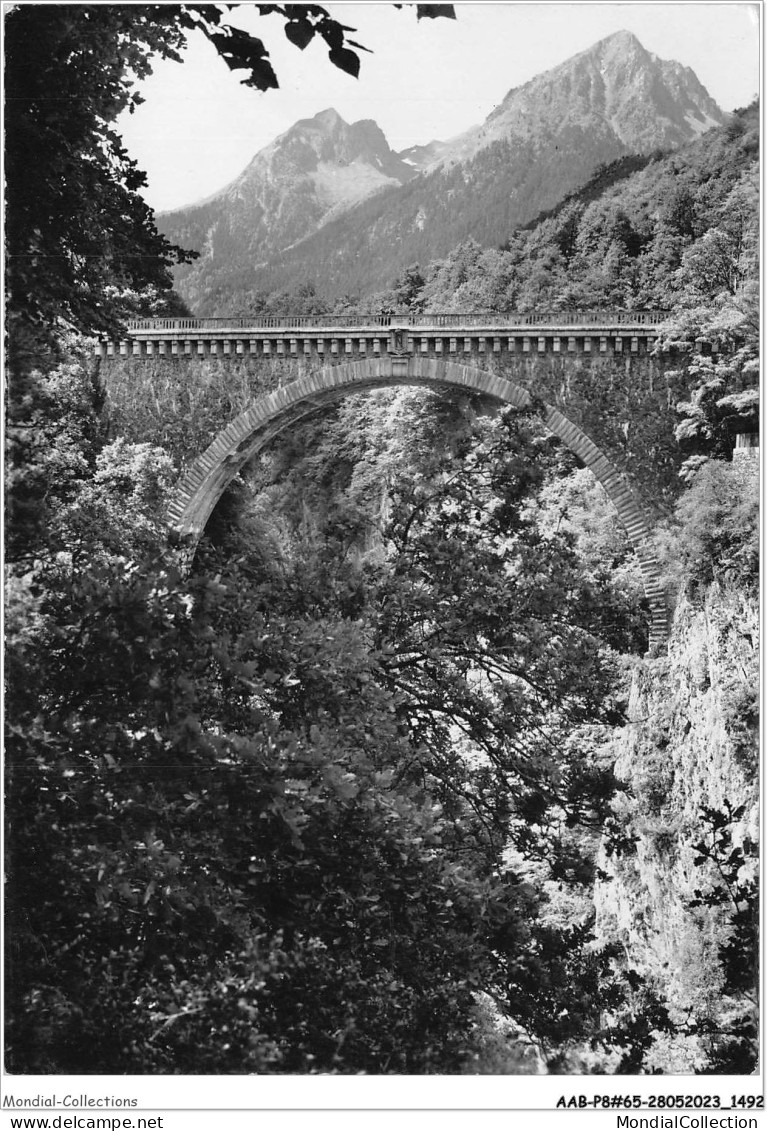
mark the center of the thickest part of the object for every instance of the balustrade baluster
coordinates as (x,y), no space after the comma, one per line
(293,328)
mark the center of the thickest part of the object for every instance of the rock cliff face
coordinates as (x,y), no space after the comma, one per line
(691,744)
(332,204)
(616,89)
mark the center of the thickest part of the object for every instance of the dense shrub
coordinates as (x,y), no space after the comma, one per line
(717,536)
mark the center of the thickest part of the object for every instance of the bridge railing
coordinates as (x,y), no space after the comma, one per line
(448,320)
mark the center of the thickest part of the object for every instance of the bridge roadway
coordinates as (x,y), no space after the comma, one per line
(347,336)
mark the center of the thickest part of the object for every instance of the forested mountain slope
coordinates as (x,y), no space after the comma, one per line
(544,140)
(654,233)
(679,234)
(318,167)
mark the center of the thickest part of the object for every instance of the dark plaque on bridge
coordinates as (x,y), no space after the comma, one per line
(398,342)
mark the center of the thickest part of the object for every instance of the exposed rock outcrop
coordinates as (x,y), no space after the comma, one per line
(691,746)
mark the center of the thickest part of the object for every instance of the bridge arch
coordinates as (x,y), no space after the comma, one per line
(205,481)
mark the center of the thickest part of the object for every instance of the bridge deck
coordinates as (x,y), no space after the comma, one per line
(566,331)
(571,320)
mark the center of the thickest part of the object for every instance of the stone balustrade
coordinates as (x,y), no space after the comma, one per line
(353,338)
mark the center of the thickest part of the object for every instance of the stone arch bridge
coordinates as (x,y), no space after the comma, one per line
(523,360)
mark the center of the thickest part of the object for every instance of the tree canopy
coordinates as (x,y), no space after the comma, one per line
(338,800)
(83,251)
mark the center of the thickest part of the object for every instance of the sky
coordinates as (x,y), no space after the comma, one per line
(198,127)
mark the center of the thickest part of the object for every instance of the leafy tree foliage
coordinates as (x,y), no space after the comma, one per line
(275,806)
(72,491)
(83,251)
(715,532)
(621,241)
(227,865)
(486,626)
(53,434)
(731,887)
(77,225)
(298,812)
(734,887)
(75,221)
(216,864)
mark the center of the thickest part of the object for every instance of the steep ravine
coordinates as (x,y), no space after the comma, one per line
(691,742)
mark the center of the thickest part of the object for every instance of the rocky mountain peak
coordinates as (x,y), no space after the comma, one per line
(615,87)
(316,190)
(315,169)
(328,119)
(623,43)
(328,139)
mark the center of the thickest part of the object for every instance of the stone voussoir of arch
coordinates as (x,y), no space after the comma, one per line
(208,477)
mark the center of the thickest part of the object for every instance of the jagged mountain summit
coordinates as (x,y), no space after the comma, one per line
(330,203)
(318,167)
(615,87)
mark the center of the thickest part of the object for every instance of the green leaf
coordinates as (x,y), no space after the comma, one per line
(435,11)
(345,60)
(244,52)
(299,32)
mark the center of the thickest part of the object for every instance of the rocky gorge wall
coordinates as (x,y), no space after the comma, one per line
(690,745)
